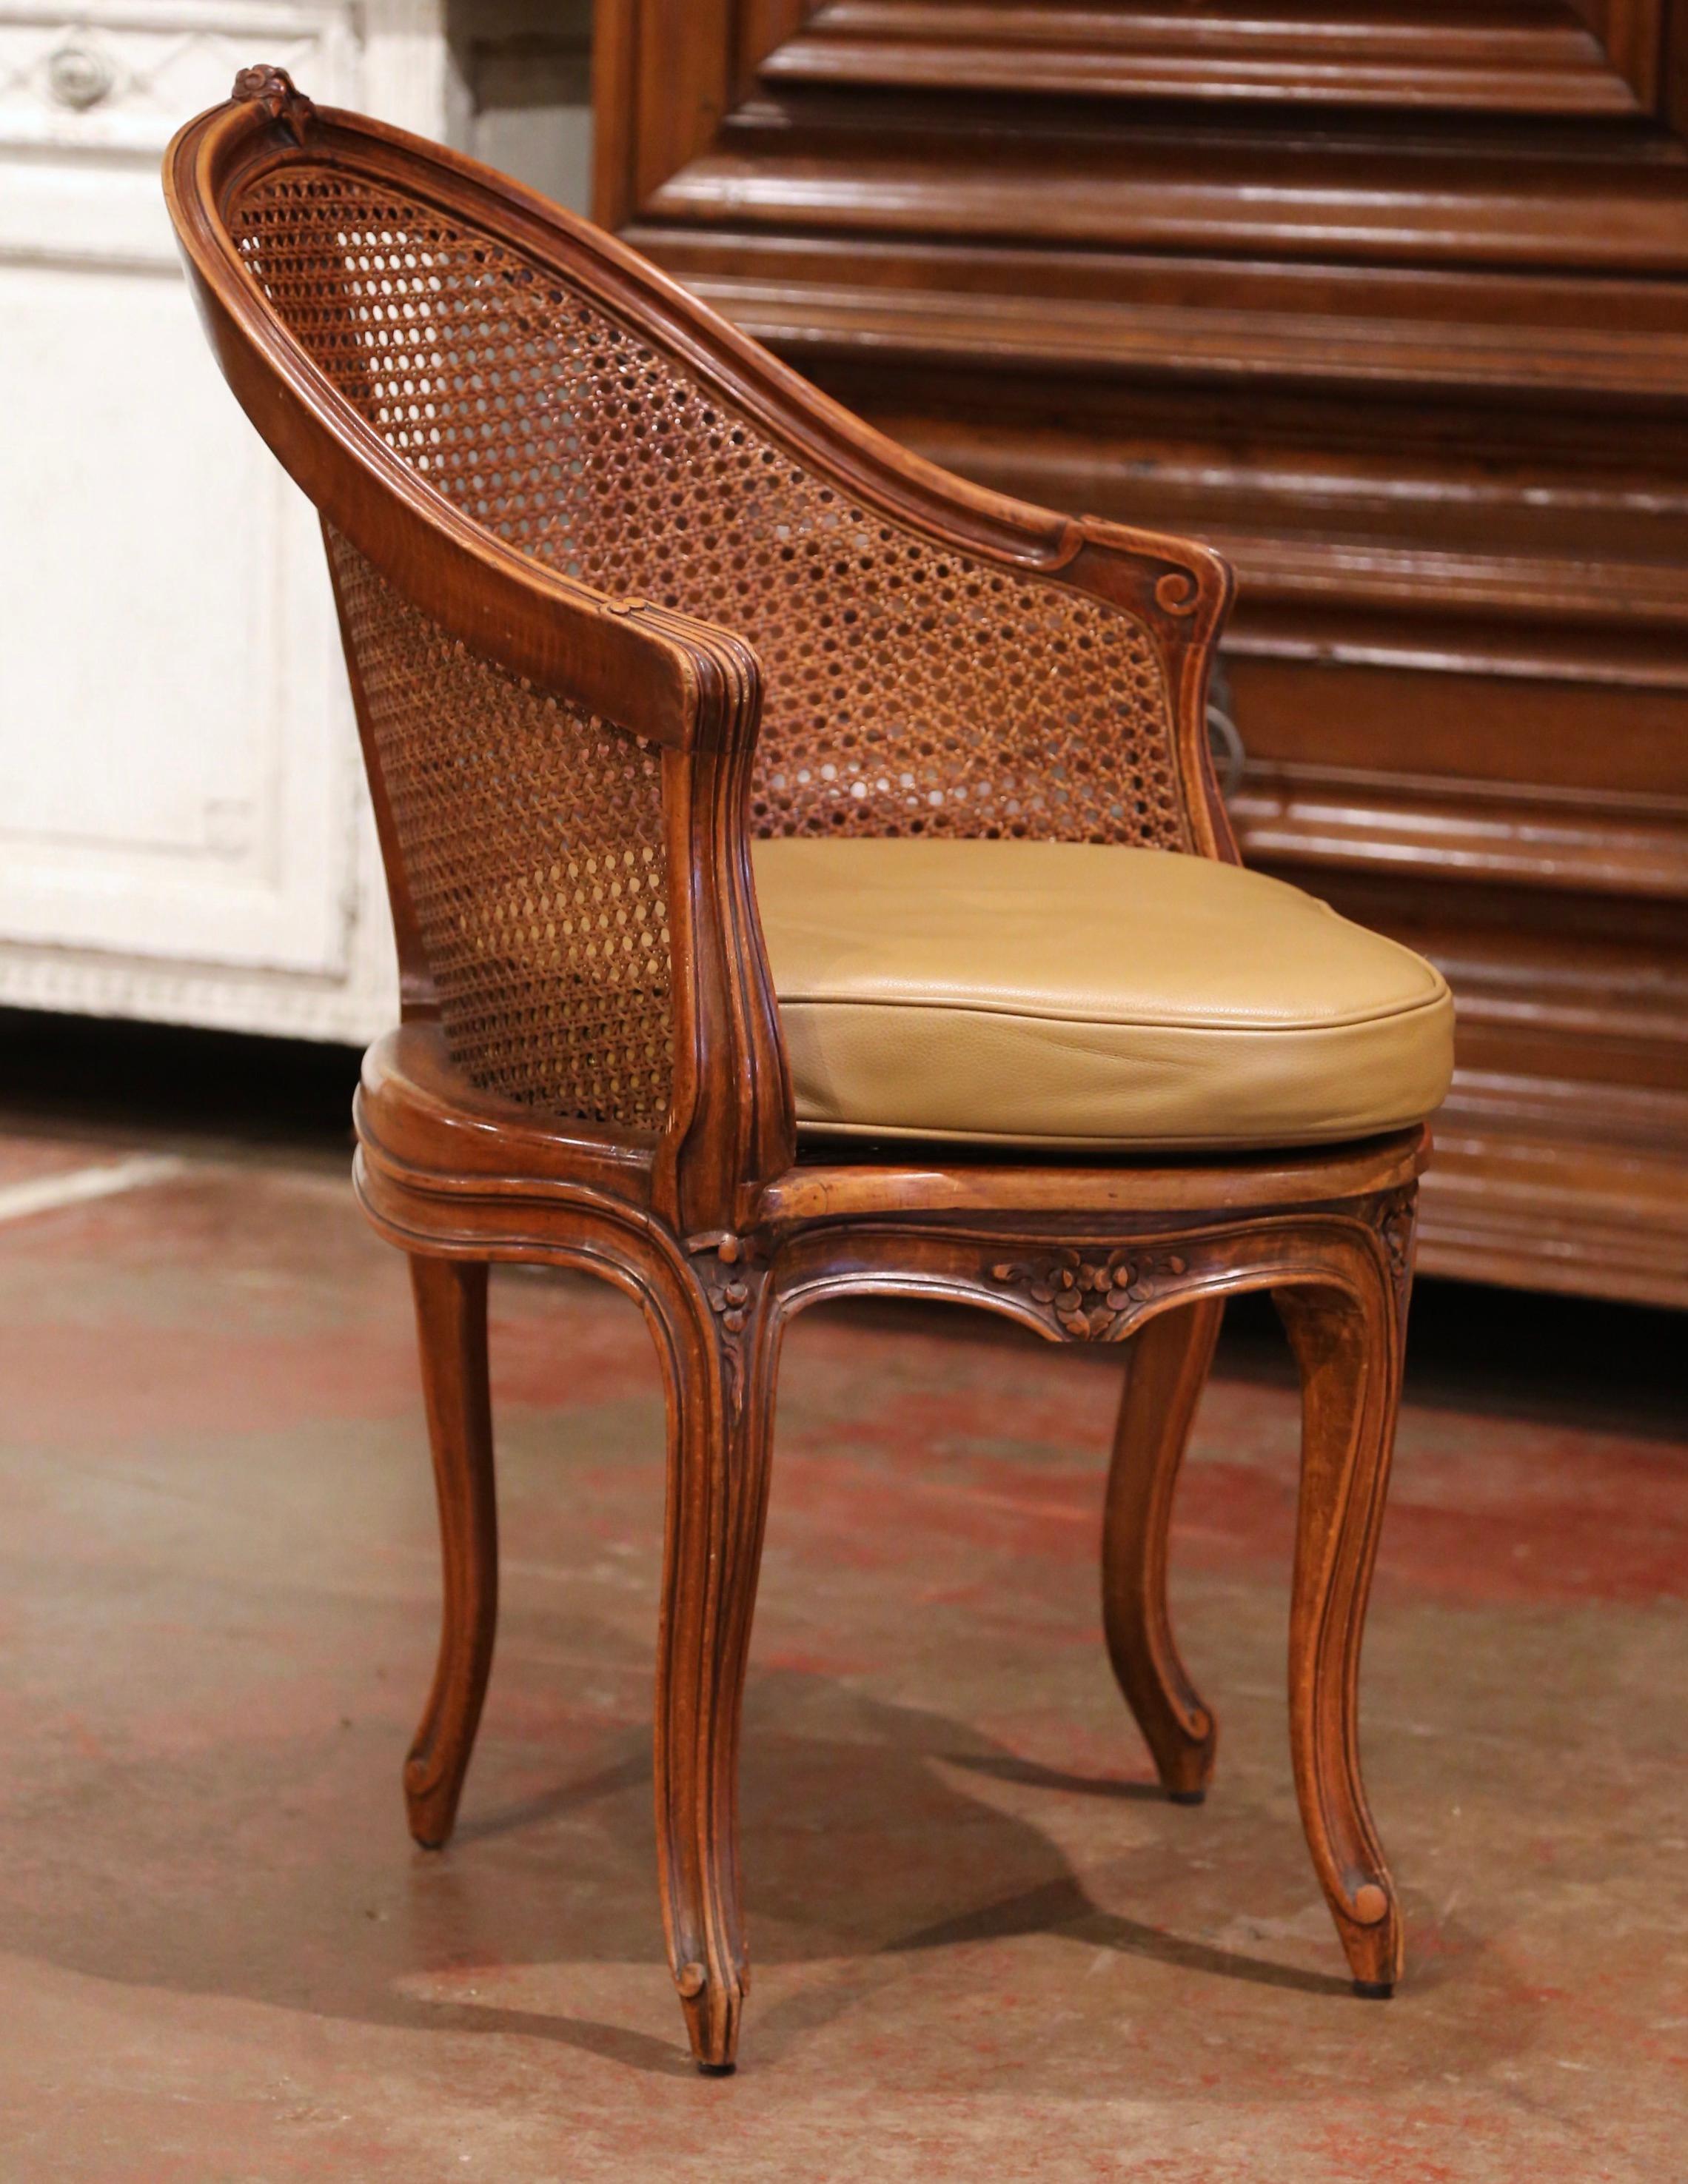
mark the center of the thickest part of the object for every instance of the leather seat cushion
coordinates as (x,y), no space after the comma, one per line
(1073,996)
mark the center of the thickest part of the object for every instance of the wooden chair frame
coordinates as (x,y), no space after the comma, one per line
(714,1225)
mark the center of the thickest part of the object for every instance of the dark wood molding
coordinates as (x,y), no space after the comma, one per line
(1509,56)
(1268,328)
(1441,204)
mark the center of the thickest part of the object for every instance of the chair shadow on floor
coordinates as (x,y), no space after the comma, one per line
(864,1848)
(874,1775)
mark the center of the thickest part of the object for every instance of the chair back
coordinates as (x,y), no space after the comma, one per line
(530,448)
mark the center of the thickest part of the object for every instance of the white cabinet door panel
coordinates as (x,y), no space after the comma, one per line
(174,756)
(180,806)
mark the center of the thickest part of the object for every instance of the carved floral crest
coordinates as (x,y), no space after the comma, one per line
(1089,1294)
(275,89)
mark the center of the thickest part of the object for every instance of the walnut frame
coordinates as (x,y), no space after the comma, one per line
(713,1224)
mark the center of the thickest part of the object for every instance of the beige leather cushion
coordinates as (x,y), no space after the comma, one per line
(1058,995)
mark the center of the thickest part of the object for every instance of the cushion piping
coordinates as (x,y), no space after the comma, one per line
(1225,1025)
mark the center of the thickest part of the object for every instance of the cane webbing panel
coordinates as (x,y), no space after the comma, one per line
(908,689)
(532,843)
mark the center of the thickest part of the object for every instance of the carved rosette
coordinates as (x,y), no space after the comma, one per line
(1092,1295)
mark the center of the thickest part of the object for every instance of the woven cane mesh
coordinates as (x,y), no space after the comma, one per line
(908,690)
(531,839)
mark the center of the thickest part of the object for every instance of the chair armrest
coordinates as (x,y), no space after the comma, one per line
(732,1127)
(572,888)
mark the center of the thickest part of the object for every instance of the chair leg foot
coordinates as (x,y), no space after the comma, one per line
(721,1424)
(451,1324)
(1167,1366)
(1348,1340)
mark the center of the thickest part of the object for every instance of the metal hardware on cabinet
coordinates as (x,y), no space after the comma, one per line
(1226,743)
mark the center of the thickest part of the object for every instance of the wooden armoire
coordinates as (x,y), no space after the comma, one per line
(1388,301)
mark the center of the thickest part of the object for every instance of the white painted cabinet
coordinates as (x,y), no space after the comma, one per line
(183,831)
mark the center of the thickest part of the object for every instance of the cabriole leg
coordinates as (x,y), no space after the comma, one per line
(721,1424)
(1348,1343)
(451,1326)
(1167,1367)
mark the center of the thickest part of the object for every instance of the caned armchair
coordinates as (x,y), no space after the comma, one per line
(809,879)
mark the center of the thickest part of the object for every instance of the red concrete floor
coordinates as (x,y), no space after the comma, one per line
(983,1946)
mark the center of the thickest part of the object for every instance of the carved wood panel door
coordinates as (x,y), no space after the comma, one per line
(1390,301)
